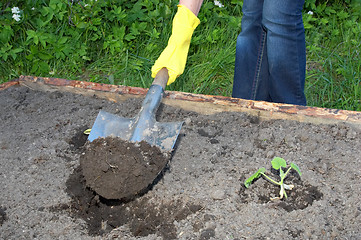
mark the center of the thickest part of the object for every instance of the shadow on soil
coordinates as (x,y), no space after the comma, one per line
(3,217)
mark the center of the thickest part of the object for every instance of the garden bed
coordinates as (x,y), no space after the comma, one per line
(200,194)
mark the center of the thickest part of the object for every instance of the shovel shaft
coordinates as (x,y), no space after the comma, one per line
(161,78)
(146,116)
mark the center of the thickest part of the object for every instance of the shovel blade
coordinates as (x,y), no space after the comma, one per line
(162,135)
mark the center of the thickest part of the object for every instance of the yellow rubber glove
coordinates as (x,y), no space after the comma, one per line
(174,56)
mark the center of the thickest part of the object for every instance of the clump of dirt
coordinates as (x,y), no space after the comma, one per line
(300,197)
(2,216)
(143,216)
(77,142)
(118,169)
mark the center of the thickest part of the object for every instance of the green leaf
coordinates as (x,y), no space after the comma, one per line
(35,67)
(87,132)
(4,56)
(43,41)
(31,34)
(343,15)
(36,40)
(295,167)
(324,21)
(62,40)
(129,37)
(6,33)
(54,3)
(14,52)
(256,175)
(278,162)
(329,11)
(43,68)
(45,56)
(59,55)
(82,25)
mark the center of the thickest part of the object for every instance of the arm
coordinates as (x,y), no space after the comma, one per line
(174,56)
(193,5)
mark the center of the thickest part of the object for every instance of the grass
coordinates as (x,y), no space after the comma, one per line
(335,82)
(333,57)
(334,66)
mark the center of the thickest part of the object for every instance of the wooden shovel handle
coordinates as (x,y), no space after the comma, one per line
(161,78)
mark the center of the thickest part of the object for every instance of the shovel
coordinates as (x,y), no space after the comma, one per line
(143,127)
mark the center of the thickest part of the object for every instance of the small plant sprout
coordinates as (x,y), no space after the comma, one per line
(87,132)
(278,164)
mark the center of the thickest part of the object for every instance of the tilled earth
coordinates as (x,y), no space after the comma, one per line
(199,194)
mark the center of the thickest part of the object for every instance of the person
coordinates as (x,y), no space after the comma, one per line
(270,62)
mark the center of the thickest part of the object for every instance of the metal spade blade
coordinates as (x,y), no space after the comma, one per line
(144,125)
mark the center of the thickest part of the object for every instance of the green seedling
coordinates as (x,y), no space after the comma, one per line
(277,163)
(87,132)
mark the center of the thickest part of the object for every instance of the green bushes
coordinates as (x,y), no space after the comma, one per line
(75,32)
(114,41)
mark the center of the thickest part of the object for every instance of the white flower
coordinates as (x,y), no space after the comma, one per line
(218,3)
(310,13)
(15,10)
(16,17)
(33,8)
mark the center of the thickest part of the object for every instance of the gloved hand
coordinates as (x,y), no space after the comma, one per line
(174,56)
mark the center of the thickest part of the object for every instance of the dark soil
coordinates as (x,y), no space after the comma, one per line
(142,216)
(200,193)
(2,216)
(118,169)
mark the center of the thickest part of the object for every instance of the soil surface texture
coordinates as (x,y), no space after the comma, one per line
(199,195)
(118,169)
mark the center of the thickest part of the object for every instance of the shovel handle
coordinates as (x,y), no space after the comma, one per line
(161,78)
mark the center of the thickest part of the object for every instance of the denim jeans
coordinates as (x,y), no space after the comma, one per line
(271,54)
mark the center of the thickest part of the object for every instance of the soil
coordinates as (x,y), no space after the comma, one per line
(200,194)
(108,163)
(2,216)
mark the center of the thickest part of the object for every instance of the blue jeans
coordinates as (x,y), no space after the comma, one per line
(271,54)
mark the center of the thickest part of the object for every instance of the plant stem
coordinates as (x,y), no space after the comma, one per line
(284,191)
(270,179)
(288,170)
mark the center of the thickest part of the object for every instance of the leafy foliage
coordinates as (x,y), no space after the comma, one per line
(77,32)
(114,41)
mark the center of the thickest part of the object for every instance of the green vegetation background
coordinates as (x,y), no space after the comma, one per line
(117,42)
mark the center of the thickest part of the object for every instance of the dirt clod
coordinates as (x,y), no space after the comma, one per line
(118,169)
(2,216)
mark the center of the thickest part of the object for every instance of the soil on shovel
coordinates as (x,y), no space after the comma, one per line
(118,169)
(200,194)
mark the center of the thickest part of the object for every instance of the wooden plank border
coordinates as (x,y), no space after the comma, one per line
(205,104)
